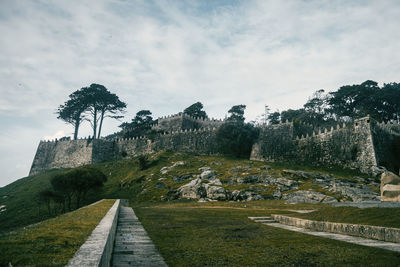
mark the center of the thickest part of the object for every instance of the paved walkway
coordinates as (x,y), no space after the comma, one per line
(133,247)
(345,238)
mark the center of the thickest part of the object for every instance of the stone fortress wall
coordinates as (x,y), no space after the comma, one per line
(183,121)
(361,145)
(74,153)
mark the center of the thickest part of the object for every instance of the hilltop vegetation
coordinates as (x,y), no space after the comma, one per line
(157,181)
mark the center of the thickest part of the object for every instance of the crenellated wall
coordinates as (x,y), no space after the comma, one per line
(360,145)
(74,153)
(183,121)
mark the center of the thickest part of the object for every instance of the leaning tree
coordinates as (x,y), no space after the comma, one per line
(73,110)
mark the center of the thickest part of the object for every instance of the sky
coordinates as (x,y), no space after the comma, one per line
(166,55)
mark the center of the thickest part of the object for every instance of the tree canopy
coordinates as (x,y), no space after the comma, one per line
(76,183)
(349,102)
(236,113)
(73,110)
(95,101)
(196,110)
(140,125)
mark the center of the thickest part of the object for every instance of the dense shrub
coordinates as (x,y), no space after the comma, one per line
(236,138)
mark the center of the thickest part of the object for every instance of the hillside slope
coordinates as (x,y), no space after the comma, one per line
(174,176)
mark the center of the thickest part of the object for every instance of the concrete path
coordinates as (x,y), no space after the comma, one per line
(345,238)
(133,247)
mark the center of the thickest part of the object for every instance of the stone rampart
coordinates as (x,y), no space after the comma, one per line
(361,145)
(183,121)
(62,154)
(74,153)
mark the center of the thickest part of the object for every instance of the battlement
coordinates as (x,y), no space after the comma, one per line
(183,121)
(73,153)
(323,132)
(362,144)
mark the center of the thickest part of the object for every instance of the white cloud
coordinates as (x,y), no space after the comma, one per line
(57,135)
(166,55)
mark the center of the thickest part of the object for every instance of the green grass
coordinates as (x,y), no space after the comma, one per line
(126,180)
(20,200)
(207,235)
(189,233)
(387,217)
(52,242)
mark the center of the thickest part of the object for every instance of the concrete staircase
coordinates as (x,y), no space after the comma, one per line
(133,247)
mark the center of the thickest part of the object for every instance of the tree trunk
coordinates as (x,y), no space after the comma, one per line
(77,122)
(94,123)
(101,123)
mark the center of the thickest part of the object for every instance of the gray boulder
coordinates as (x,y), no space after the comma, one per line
(252,179)
(356,192)
(390,187)
(237,195)
(192,190)
(207,174)
(181,178)
(377,171)
(165,170)
(215,192)
(214,181)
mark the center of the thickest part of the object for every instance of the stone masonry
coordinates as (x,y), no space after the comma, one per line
(363,145)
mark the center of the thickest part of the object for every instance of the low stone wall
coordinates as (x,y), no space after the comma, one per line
(366,231)
(97,250)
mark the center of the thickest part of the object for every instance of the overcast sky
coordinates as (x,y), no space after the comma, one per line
(166,55)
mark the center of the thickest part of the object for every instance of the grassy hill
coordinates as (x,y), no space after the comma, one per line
(192,233)
(126,180)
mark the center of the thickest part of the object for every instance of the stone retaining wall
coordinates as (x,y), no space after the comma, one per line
(97,250)
(366,231)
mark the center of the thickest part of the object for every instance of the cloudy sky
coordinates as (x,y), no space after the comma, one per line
(165,55)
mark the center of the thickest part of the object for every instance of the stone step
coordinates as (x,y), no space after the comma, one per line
(133,247)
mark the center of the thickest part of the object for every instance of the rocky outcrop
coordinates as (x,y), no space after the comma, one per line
(390,187)
(165,170)
(306,196)
(193,190)
(206,186)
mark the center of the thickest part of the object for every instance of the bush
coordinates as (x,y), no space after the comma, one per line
(143,162)
(236,138)
(77,183)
